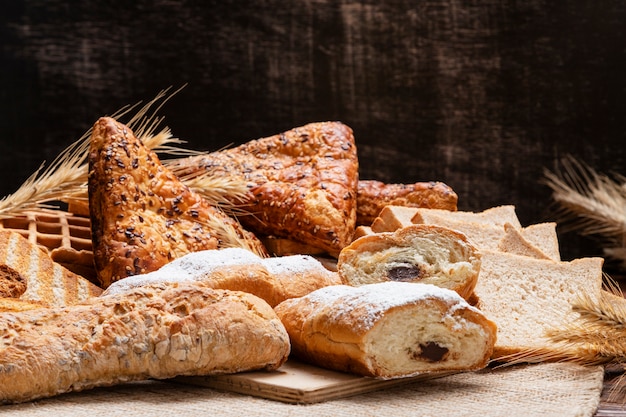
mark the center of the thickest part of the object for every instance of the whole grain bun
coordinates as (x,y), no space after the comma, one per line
(388,330)
(419,253)
(158,331)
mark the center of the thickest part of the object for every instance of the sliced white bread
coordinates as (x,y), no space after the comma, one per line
(495,216)
(526,296)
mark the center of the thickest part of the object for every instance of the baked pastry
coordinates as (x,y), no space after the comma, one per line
(419,253)
(65,236)
(373,195)
(273,279)
(388,330)
(527,297)
(159,331)
(28,273)
(142,215)
(302,183)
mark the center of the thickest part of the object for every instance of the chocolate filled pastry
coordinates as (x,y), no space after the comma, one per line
(142,215)
(373,195)
(426,254)
(388,330)
(302,183)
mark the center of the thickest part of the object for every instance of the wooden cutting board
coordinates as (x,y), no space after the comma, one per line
(299,383)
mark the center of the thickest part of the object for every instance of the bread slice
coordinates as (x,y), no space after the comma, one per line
(418,253)
(514,241)
(373,196)
(388,330)
(302,183)
(494,216)
(544,237)
(526,296)
(392,218)
(28,273)
(142,215)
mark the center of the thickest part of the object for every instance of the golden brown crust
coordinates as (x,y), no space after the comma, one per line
(28,273)
(418,253)
(302,183)
(273,279)
(158,332)
(383,330)
(142,215)
(373,195)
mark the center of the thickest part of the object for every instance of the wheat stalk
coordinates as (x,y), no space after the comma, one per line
(66,177)
(592,204)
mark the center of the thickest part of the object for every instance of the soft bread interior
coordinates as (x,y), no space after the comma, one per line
(430,258)
(419,340)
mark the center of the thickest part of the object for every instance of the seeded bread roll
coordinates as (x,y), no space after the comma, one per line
(158,331)
(272,279)
(419,253)
(388,330)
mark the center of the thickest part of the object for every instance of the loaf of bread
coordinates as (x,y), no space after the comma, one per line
(156,331)
(527,297)
(273,279)
(388,330)
(419,253)
(373,195)
(142,215)
(28,273)
(302,183)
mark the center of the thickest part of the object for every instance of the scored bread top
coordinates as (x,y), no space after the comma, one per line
(142,215)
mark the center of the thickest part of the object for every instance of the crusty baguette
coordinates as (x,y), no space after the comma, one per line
(527,297)
(142,215)
(373,195)
(273,279)
(28,273)
(157,331)
(302,183)
(388,330)
(418,253)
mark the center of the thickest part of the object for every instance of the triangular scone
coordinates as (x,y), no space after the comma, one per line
(142,215)
(303,183)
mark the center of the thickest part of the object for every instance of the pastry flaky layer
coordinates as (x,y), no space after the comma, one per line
(388,330)
(157,331)
(142,215)
(302,183)
(427,254)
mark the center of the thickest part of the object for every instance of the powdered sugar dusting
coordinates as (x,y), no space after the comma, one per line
(190,267)
(293,265)
(373,300)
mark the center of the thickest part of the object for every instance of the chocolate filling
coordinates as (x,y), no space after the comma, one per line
(405,273)
(432,352)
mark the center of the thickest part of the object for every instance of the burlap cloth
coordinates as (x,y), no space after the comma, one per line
(530,390)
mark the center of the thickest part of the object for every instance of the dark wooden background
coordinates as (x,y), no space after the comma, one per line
(483,95)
